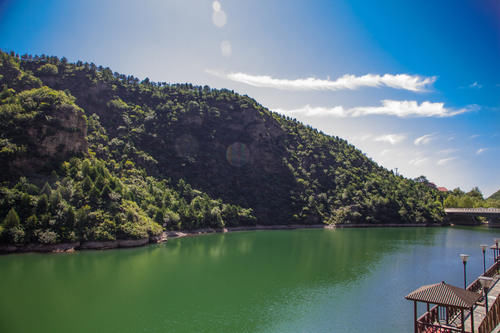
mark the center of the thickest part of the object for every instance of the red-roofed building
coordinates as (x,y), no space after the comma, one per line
(442,189)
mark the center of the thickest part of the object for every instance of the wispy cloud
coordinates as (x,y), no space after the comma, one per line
(475,85)
(347,82)
(481,150)
(402,109)
(391,138)
(424,139)
(418,161)
(445,161)
(474,136)
(362,137)
(447,151)
(385,152)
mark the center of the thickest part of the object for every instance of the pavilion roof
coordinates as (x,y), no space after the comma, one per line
(444,294)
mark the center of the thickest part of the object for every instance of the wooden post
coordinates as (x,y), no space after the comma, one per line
(472,318)
(463,320)
(415,314)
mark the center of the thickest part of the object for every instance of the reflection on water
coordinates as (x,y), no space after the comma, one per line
(260,281)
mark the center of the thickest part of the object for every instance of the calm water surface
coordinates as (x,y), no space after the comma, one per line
(348,280)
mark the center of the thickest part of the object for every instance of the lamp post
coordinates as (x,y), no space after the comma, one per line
(484,247)
(486,283)
(465,257)
(496,250)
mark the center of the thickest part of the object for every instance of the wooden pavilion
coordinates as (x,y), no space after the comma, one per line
(448,314)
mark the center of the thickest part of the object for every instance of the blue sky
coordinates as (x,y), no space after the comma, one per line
(413,84)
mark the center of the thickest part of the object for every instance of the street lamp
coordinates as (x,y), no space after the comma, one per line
(484,247)
(465,257)
(496,251)
(486,283)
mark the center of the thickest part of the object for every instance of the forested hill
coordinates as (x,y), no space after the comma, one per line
(495,196)
(175,155)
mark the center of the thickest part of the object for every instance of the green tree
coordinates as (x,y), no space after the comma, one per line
(87,184)
(42,204)
(12,219)
(48,69)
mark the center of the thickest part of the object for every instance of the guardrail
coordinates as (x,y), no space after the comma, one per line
(473,210)
(492,318)
(429,321)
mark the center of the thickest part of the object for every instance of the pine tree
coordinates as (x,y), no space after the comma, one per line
(70,217)
(46,189)
(12,219)
(42,205)
(106,191)
(94,195)
(87,184)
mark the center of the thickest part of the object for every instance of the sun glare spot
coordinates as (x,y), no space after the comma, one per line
(237,154)
(219,18)
(225,48)
(216,6)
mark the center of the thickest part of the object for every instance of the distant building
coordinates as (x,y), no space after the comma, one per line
(442,189)
(431,184)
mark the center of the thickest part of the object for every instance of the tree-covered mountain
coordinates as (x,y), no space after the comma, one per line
(495,196)
(89,154)
(472,199)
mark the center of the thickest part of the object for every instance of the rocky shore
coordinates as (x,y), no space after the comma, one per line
(127,243)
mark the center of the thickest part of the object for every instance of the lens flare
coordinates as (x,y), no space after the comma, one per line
(216,6)
(186,146)
(219,18)
(225,48)
(237,154)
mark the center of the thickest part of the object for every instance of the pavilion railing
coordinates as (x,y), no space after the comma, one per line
(434,328)
(429,317)
(475,286)
(429,322)
(492,318)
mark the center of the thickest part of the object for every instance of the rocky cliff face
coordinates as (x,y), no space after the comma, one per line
(59,138)
(68,140)
(46,129)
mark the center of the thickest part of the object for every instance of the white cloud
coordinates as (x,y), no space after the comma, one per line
(391,138)
(385,152)
(348,81)
(447,151)
(481,150)
(219,17)
(445,160)
(475,85)
(225,48)
(365,137)
(424,139)
(402,109)
(475,136)
(418,161)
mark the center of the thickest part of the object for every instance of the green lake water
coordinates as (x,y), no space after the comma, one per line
(347,280)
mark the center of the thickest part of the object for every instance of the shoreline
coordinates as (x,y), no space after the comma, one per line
(166,235)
